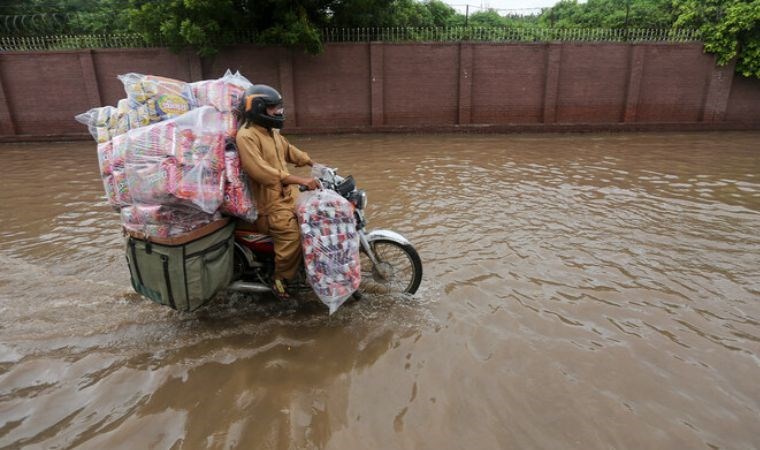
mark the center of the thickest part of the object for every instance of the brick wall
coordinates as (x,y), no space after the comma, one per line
(415,86)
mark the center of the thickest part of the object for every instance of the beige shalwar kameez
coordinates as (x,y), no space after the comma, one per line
(264,155)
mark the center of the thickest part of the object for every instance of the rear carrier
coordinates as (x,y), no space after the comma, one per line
(183,272)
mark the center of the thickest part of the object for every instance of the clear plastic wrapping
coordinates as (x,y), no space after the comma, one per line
(179,161)
(164,221)
(107,122)
(330,245)
(157,98)
(224,94)
(111,156)
(152,99)
(238,200)
(165,145)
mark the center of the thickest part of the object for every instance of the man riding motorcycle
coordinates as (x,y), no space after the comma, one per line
(264,154)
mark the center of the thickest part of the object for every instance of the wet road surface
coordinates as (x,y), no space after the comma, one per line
(580,291)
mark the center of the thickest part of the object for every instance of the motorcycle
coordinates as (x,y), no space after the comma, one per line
(389,262)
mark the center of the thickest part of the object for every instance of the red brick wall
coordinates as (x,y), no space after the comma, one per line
(592,83)
(744,101)
(258,64)
(673,85)
(363,86)
(508,83)
(333,88)
(420,84)
(43,91)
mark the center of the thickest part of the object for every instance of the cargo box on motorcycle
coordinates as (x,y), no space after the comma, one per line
(183,272)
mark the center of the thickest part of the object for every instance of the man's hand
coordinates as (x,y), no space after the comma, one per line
(309,183)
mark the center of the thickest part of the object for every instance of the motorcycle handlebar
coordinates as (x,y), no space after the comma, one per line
(303,188)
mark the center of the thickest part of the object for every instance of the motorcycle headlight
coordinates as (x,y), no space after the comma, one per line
(359,199)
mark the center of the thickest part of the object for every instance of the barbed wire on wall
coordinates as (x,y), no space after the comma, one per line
(37,24)
(508,34)
(72,42)
(392,35)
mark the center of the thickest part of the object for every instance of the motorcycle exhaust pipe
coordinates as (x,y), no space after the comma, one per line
(249,288)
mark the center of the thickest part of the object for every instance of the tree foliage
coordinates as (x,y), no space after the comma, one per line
(730,29)
(610,14)
(208,25)
(390,13)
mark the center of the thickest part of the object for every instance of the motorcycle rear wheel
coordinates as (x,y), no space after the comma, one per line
(399,268)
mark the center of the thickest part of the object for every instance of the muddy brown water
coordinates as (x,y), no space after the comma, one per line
(580,291)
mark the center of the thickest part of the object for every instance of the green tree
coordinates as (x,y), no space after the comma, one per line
(390,13)
(208,25)
(442,14)
(487,19)
(610,14)
(730,29)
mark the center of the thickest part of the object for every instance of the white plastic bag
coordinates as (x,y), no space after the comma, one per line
(330,245)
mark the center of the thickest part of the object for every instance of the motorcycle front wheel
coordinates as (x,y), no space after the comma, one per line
(398,269)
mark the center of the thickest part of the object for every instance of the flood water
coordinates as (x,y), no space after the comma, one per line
(580,292)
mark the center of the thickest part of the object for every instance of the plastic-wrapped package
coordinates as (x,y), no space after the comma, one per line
(107,122)
(99,122)
(117,188)
(238,200)
(162,145)
(330,245)
(105,157)
(111,159)
(178,161)
(231,124)
(162,98)
(224,93)
(152,99)
(164,221)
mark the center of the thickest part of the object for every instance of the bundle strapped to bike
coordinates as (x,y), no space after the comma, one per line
(183,272)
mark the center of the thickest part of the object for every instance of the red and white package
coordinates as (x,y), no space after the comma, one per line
(238,200)
(330,246)
(164,221)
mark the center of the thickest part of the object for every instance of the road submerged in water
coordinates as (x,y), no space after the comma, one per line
(580,291)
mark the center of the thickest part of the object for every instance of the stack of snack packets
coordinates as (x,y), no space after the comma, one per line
(157,98)
(224,94)
(330,245)
(163,147)
(238,200)
(149,100)
(164,221)
(178,161)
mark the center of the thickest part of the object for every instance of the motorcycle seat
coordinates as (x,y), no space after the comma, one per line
(255,241)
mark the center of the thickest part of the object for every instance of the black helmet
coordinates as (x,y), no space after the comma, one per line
(254,106)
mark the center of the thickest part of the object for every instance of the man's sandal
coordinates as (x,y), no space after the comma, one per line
(278,289)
